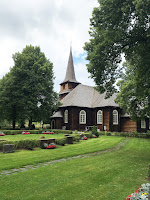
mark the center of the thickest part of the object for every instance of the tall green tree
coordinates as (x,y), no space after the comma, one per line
(119,27)
(134,94)
(29,87)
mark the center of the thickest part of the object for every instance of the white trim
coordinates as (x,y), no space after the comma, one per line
(66,116)
(100,117)
(143,123)
(82,117)
(115,117)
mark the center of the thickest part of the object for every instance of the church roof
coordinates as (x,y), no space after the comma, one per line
(57,114)
(87,96)
(70,74)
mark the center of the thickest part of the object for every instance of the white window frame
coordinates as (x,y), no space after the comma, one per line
(143,123)
(66,116)
(82,117)
(100,117)
(115,117)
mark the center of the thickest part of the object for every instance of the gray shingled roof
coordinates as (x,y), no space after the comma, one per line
(57,114)
(70,74)
(87,96)
(65,91)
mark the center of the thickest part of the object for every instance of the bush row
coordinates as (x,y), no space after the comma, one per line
(31,144)
(15,132)
(22,144)
(123,134)
(62,131)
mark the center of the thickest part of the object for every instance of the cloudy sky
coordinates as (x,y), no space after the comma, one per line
(50,24)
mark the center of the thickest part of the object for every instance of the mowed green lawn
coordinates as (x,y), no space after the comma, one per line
(110,176)
(25,157)
(30,136)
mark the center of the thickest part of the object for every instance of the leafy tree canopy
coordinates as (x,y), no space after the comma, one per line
(119,27)
(28,87)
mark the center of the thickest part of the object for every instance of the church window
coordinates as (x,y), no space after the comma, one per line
(66,116)
(99,117)
(115,117)
(82,117)
(143,123)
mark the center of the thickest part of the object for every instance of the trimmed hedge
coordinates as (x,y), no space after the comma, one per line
(123,134)
(15,132)
(88,135)
(62,131)
(30,144)
(76,138)
(22,144)
(60,141)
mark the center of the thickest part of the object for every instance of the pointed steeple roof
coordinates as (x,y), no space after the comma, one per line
(70,74)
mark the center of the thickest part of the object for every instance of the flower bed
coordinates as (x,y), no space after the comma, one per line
(84,138)
(2,134)
(46,132)
(27,132)
(51,146)
(141,193)
(94,136)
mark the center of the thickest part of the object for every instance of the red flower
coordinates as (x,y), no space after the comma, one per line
(26,133)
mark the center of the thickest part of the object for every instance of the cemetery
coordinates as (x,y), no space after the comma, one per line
(110,162)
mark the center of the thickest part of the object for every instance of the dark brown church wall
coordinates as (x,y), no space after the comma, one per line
(106,118)
(127,125)
(58,122)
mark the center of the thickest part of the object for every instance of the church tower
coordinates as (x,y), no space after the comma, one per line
(70,81)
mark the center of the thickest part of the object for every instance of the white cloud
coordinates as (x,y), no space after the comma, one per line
(50,24)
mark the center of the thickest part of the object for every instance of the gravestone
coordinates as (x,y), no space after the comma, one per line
(46,141)
(69,140)
(66,134)
(8,148)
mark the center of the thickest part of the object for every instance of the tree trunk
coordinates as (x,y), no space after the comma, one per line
(30,123)
(14,123)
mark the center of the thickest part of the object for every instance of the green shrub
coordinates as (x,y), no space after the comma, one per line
(108,134)
(75,132)
(61,141)
(62,131)
(15,132)
(88,135)
(76,138)
(22,144)
(94,131)
(101,133)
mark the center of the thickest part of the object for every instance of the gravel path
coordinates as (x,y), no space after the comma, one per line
(32,167)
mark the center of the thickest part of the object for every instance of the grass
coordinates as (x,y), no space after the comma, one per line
(25,157)
(109,176)
(30,136)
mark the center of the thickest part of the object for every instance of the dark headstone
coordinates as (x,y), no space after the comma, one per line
(69,140)
(42,137)
(81,135)
(8,148)
(46,141)
(66,134)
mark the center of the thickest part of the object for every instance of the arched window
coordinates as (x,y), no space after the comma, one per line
(143,123)
(66,116)
(115,117)
(82,117)
(99,117)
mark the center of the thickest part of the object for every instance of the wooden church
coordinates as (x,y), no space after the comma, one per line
(83,107)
